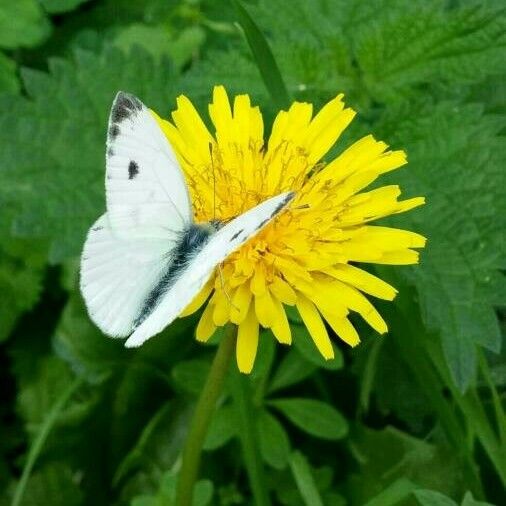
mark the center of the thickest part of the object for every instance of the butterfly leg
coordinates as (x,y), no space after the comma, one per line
(222,281)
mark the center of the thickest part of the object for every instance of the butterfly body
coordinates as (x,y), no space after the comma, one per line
(146,259)
(192,240)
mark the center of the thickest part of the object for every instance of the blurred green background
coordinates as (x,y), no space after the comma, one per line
(414,417)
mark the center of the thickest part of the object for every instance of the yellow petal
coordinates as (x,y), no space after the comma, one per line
(265,309)
(247,342)
(206,326)
(362,280)
(343,328)
(240,304)
(221,312)
(283,291)
(192,129)
(280,326)
(312,320)
(197,302)
(221,114)
(325,129)
(358,302)
(400,257)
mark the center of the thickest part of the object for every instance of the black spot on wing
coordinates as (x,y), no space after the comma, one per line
(114,131)
(283,203)
(190,243)
(133,169)
(262,223)
(97,228)
(124,106)
(236,234)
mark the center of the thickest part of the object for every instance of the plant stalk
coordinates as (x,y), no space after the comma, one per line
(202,415)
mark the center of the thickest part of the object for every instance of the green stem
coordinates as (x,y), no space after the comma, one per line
(202,417)
(40,439)
(248,435)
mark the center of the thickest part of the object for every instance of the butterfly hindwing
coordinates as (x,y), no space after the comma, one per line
(117,275)
(201,266)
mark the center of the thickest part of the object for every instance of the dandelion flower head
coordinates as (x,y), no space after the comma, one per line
(306,257)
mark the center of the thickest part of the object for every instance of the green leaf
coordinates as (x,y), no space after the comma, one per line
(263,56)
(22,23)
(391,457)
(464,254)
(304,479)
(223,428)
(190,375)
(428,44)
(202,496)
(274,442)
(398,491)
(469,500)
(9,82)
(21,274)
(56,187)
(54,484)
(292,369)
(431,498)
(314,417)
(159,41)
(304,344)
(57,6)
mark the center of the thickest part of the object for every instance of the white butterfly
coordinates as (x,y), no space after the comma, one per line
(145,259)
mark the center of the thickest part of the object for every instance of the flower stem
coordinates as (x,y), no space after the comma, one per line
(242,395)
(202,416)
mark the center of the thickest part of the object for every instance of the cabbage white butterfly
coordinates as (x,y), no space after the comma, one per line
(145,259)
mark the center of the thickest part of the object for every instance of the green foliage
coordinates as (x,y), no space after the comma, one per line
(413,417)
(22,24)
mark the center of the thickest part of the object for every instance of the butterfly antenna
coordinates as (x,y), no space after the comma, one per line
(214,181)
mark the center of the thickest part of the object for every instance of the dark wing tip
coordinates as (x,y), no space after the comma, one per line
(123,106)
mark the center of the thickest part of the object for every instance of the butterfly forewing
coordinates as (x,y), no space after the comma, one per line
(146,191)
(203,263)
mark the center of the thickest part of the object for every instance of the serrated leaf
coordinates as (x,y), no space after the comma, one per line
(159,41)
(56,187)
(22,24)
(274,443)
(21,274)
(314,417)
(456,161)
(423,45)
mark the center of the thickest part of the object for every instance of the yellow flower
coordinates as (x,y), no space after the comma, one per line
(307,256)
